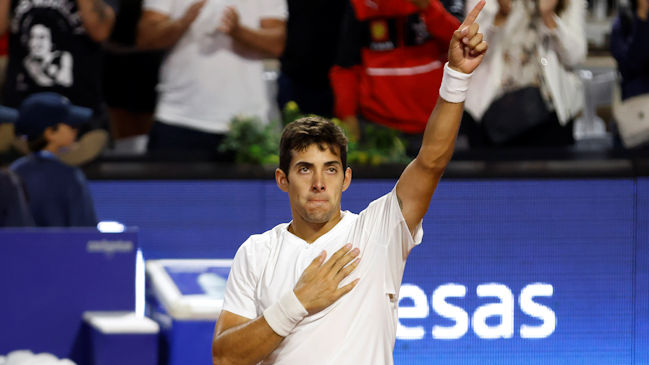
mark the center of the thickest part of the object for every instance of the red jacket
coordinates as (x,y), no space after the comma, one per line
(4,44)
(390,62)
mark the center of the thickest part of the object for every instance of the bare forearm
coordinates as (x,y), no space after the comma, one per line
(248,343)
(98,18)
(160,34)
(269,41)
(441,131)
(420,178)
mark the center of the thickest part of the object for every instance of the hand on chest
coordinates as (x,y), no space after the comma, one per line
(287,263)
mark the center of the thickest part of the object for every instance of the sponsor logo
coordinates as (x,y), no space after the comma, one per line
(502,309)
(109,247)
(379,30)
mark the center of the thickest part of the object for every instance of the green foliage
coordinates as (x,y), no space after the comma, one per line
(258,144)
(378,146)
(253,142)
(290,113)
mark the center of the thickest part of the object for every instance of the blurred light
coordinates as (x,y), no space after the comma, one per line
(139,284)
(110,227)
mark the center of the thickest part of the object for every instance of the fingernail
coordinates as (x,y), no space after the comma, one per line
(356,251)
(464,30)
(348,246)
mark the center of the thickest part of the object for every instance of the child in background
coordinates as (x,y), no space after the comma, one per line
(58,194)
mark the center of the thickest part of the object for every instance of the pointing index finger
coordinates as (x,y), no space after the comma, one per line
(473,15)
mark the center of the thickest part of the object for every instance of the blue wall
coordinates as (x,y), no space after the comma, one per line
(585,240)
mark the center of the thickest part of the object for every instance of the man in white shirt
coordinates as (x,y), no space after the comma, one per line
(285,302)
(214,68)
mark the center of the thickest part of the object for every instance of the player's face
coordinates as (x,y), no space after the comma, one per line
(315,183)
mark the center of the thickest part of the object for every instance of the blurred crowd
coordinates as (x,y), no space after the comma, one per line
(168,76)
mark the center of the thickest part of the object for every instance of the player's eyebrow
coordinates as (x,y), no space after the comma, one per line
(303,164)
(332,163)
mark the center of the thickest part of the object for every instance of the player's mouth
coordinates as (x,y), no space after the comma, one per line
(317,201)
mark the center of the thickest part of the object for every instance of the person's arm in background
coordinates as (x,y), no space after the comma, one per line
(157,30)
(14,210)
(455,7)
(419,180)
(440,23)
(345,73)
(631,51)
(504,8)
(97,18)
(567,30)
(269,38)
(5,8)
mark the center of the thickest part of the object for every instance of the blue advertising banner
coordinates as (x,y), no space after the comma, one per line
(522,273)
(509,272)
(49,277)
(641,269)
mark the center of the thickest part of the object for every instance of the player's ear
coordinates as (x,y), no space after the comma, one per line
(281,179)
(348,178)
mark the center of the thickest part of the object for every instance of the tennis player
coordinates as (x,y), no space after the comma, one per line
(324,288)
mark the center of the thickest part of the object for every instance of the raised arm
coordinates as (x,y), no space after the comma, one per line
(240,340)
(156,30)
(97,17)
(420,178)
(269,38)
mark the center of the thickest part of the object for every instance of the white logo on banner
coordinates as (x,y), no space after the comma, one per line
(502,309)
(109,247)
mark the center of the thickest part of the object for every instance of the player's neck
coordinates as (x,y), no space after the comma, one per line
(310,232)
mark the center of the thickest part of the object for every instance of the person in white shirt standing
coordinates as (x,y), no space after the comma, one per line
(214,67)
(300,293)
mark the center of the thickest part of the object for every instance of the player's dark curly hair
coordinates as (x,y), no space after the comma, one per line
(300,134)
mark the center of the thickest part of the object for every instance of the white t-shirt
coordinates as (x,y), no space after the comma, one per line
(206,78)
(358,329)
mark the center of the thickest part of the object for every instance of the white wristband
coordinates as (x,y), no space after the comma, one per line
(285,314)
(454,85)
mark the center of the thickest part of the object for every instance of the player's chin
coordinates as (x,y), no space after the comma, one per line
(318,216)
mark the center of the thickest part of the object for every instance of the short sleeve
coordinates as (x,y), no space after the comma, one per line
(384,224)
(241,284)
(408,240)
(160,6)
(276,9)
(384,217)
